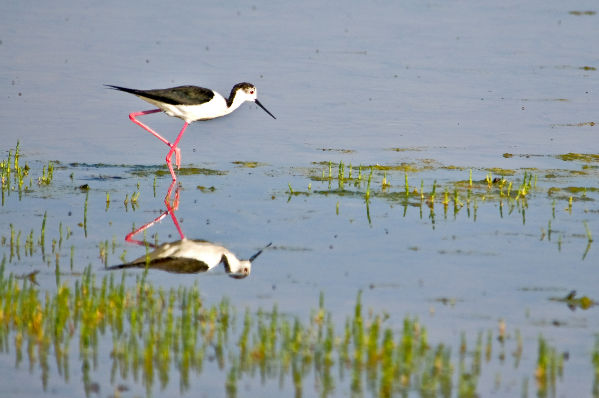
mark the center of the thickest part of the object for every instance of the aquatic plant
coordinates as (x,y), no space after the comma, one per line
(153,329)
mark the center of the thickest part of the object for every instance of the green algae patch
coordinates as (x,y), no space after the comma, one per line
(339,150)
(188,171)
(580,124)
(579,157)
(452,167)
(248,164)
(580,190)
(407,167)
(501,172)
(572,193)
(581,13)
(204,189)
(406,149)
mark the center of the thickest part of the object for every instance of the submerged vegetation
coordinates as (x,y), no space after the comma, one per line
(122,333)
(157,332)
(508,191)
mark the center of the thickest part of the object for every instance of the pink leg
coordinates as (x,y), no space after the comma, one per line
(175,149)
(133,115)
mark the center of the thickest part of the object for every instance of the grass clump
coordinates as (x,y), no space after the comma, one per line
(151,329)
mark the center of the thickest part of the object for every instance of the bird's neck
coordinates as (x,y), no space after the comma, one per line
(234,102)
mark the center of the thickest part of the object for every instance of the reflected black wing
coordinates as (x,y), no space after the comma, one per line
(169,264)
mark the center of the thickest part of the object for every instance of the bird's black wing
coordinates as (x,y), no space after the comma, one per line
(182,95)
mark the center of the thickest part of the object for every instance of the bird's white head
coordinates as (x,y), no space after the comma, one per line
(236,268)
(246,91)
(242,92)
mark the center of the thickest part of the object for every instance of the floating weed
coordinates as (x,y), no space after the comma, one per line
(574,302)
(183,171)
(579,13)
(250,165)
(579,157)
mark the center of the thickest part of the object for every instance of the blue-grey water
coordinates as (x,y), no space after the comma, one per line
(454,84)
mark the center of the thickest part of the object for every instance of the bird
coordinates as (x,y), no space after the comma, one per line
(191,104)
(190,256)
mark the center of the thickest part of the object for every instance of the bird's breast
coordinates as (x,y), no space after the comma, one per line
(214,108)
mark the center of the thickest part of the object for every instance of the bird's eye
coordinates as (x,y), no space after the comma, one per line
(251,91)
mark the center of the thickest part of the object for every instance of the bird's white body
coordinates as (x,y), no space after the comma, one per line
(208,253)
(212,109)
(216,107)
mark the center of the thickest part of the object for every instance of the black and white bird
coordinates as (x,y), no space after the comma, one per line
(190,103)
(189,256)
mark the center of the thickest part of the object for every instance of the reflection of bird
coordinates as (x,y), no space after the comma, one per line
(190,103)
(192,256)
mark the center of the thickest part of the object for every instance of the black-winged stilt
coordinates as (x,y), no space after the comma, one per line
(190,103)
(192,256)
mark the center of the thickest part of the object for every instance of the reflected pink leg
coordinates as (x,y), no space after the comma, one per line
(173,147)
(170,209)
(129,237)
(175,205)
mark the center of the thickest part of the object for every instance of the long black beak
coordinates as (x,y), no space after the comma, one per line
(260,252)
(265,110)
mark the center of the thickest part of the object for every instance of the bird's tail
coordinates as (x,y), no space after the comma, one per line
(125,89)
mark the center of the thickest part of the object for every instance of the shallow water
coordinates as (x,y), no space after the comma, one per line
(431,89)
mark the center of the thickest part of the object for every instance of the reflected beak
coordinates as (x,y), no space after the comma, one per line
(260,251)
(265,110)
